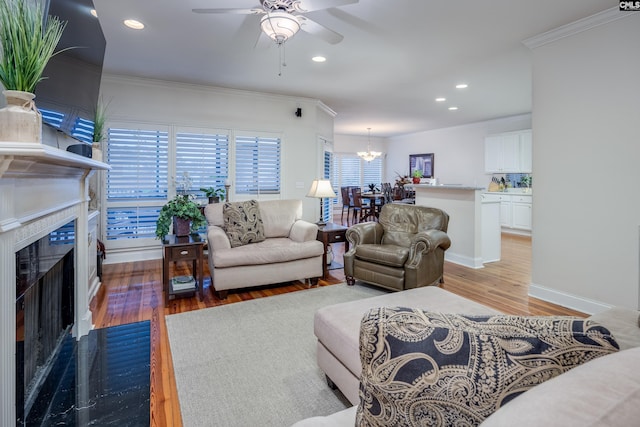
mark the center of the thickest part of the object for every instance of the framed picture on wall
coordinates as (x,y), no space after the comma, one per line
(423,162)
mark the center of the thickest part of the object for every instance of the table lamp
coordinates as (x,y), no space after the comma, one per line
(321,188)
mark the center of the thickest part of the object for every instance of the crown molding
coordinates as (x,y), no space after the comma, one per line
(600,18)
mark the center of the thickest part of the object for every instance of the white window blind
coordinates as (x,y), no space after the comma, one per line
(205,157)
(351,170)
(257,165)
(372,172)
(326,174)
(136,185)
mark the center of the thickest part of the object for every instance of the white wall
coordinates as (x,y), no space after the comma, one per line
(458,151)
(586,154)
(144,101)
(138,100)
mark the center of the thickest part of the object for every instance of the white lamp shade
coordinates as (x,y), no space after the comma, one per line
(321,188)
(279,25)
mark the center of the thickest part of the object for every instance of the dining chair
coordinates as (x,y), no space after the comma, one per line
(364,210)
(346,203)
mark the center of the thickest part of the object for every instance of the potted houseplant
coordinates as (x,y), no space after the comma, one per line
(373,188)
(99,123)
(416,176)
(28,42)
(185,215)
(215,195)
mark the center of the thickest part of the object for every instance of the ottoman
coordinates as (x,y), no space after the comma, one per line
(337,328)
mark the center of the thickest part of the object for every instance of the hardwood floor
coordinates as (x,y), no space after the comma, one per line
(132,292)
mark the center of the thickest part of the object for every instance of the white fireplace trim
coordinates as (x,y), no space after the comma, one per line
(41,189)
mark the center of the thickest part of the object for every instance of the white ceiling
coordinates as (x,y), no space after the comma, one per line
(396,57)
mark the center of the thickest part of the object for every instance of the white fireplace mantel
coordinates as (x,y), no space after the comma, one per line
(41,189)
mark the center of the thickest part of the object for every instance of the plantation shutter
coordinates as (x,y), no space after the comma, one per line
(136,185)
(204,157)
(351,170)
(257,165)
(372,172)
(326,174)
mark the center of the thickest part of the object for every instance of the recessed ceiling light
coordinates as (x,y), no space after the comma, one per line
(318,59)
(453,108)
(462,86)
(94,13)
(132,23)
(441,99)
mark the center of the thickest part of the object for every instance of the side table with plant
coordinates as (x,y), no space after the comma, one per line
(185,215)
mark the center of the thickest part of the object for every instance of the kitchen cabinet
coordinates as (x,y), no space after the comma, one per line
(490,223)
(515,213)
(508,152)
(521,212)
(505,211)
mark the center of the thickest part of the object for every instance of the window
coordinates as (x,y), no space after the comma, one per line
(257,165)
(326,174)
(204,157)
(351,170)
(137,182)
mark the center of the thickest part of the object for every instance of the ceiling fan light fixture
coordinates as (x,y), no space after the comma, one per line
(279,26)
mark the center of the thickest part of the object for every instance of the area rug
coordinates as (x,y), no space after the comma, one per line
(253,363)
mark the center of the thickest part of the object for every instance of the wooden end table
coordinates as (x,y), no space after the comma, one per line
(183,248)
(331,233)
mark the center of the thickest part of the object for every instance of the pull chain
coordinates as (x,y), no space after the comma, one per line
(281,58)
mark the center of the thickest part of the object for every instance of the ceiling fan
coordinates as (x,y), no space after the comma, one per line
(283,18)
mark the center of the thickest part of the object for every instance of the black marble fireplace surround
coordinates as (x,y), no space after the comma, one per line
(102,379)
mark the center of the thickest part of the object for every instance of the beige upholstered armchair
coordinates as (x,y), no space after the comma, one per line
(404,250)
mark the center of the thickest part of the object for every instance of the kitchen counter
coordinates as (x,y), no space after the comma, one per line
(472,229)
(448,187)
(514,191)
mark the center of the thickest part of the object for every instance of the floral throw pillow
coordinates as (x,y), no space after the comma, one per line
(422,368)
(242,222)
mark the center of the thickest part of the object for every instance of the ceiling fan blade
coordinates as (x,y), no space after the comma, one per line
(254,11)
(311,5)
(312,27)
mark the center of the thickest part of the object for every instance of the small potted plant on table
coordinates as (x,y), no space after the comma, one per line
(185,215)
(215,195)
(416,176)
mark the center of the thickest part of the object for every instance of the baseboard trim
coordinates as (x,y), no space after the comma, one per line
(116,256)
(463,260)
(564,299)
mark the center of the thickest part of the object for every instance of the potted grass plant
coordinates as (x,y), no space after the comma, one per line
(185,215)
(28,41)
(99,123)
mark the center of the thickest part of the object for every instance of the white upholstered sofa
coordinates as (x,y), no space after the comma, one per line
(290,250)
(601,392)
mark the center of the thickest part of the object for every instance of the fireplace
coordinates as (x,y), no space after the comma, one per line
(41,190)
(44,312)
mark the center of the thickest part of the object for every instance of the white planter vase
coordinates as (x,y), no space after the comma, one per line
(20,120)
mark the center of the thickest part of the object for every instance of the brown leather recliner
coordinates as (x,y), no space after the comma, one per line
(404,250)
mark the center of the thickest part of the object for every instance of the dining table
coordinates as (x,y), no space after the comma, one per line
(376,199)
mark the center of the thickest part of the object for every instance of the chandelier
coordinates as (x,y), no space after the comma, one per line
(279,26)
(369,155)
